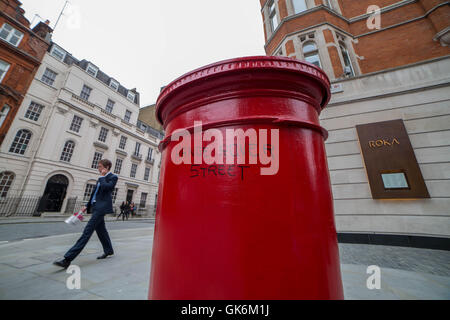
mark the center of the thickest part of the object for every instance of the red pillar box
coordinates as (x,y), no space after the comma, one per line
(245,209)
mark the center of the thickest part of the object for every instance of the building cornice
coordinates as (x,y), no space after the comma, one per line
(91,115)
(348,21)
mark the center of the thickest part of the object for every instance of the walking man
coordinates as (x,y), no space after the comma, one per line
(99,204)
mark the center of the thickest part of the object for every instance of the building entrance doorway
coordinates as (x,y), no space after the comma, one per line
(130,193)
(54,194)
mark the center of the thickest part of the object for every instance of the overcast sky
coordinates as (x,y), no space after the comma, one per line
(147,44)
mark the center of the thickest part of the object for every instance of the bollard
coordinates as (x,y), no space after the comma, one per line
(245,209)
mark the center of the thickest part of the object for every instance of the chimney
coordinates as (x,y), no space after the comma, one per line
(43,29)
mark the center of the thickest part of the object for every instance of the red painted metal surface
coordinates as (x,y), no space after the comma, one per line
(229,232)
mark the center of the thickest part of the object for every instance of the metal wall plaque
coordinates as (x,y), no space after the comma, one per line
(390,161)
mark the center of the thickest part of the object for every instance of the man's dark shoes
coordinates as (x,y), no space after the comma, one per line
(63,263)
(103,256)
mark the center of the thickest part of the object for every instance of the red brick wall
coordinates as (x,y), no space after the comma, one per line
(353,8)
(399,46)
(290,47)
(382,49)
(24,61)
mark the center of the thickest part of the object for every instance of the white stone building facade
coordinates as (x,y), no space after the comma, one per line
(72,116)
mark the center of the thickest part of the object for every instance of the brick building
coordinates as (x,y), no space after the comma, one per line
(397,70)
(21,52)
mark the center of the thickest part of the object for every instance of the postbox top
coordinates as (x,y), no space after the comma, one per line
(253,69)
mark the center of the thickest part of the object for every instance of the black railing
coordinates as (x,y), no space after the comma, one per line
(20,206)
(29,206)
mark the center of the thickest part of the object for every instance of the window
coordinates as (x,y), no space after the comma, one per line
(103,134)
(76,123)
(58,53)
(49,77)
(131,96)
(123,142)
(88,191)
(127,116)
(6,180)
(20,142)
(137,148)
(118,166)
(11,35)
(149,154)
(273,16)
(4,66)
(114,84)
(311,53)
(348,69)
(328,3)
(147,174)
(92,70)
(114,195)
(67,152)
(34,111)
(85,93)
(109,106)
(4,113)
(133,170)
(97,157)
(299,6)
(143,200)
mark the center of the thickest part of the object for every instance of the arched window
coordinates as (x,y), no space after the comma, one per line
(67,152)
(348,69)
(6,179)
(311,53)
(21,141)
(299,6)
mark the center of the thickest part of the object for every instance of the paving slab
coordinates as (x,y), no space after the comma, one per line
(26,270)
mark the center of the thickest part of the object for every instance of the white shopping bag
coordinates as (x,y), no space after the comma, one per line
(76,218)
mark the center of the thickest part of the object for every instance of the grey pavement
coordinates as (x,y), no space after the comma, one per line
(24,230)
(26,270)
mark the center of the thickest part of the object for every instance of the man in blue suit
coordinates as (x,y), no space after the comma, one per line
(99,204)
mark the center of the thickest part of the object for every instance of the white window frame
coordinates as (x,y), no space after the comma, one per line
(4,67)
(147,173)
(118,165)
(76,123)
(131,96)
(82,90)
(4,113)
(103,135)
(34,111)
(11,33)
(293,6)
(114,84)
(123,140)
(109,104)
(133,170)
(273,15)
(93,68)
(49,80)
(67,152)
(58,50)
(96,159)
(129,117)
